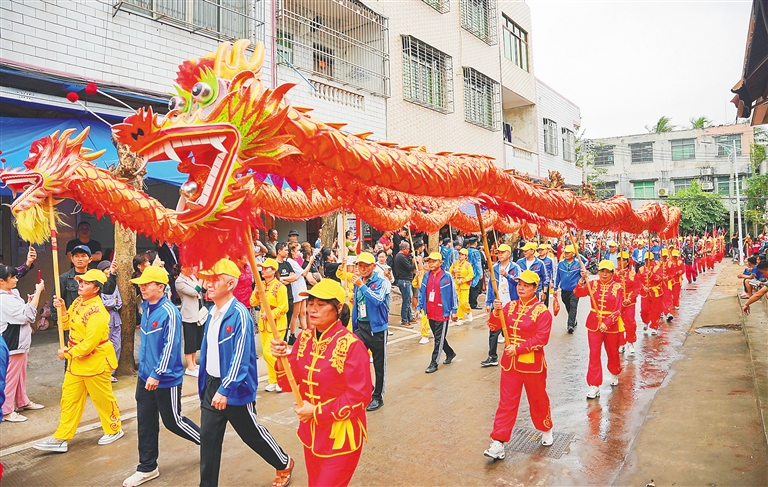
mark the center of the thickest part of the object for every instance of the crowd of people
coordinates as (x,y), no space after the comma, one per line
(322,317)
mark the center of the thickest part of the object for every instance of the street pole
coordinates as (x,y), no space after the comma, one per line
(738,205)
(730,199)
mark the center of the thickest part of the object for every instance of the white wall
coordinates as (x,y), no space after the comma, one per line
(552,105)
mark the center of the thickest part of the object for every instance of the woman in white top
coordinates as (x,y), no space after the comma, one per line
(16,317)
(299,286)
(188,288)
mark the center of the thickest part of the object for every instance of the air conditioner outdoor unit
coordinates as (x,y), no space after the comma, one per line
(663,192)
(706,171)
(707,186)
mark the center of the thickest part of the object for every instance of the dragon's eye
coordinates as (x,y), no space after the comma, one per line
(177,103)
(202,93)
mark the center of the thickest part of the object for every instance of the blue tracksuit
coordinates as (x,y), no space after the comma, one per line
(568,274)
(374,294)
(477,265)
(449,298)
(160,348)
(447,253)
(237,356)
(538,267)
(512,274)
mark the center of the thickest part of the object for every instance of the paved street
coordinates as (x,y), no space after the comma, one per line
(697,425)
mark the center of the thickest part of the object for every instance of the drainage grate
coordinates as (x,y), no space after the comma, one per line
(706,330)
(528,440)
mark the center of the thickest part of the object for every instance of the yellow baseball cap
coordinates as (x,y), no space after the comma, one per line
(434,256)
(624,255)
(366,258)
(648,255)
(606,264)
(464,251)
(569,249)
(665,252)
(612,244)
(152,274)
(272,263)
(326,289)
(504,248)
(224,266)
(529,246)
(530,277)
(98,276)
(675,253)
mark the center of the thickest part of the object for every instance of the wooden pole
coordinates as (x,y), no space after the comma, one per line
(270,319)
(343,243)
(55,255)
(493,276)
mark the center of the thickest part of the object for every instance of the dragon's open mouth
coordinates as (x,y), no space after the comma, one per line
(207,154)
(26,184)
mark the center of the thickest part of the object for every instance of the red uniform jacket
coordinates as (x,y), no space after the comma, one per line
(675,272)
(608,303)
(651,275)
(630,284)
(333,373)
(528,327)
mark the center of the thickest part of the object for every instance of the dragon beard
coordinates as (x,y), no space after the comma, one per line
(34,225)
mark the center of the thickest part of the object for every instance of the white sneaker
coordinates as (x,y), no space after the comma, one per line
(15,417)
(371,359)
(501,338)
(630,349)
(621,349)
(459,322)
(677,307)
(593,392)
(423,340)
(107,439)
(139,478)
(495,451)
(192,373)
(547,438)
(390,333)
(51,444)
(271,387)
(614,380)
(470,317)
(645,326)
(654,332)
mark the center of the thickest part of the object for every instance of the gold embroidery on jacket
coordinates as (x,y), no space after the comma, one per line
(339,354)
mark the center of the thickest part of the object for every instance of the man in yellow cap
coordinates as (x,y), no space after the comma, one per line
(462,273)
(529,262)
(506,273)
(651,280)
(91,358)
(568,275)
(370,319)
(603,324)
(228,379)
(550,264)
(528,324)
(161,372)
(437,298)
(277,298)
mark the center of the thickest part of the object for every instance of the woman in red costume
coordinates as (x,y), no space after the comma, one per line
(333,373)
(626,276)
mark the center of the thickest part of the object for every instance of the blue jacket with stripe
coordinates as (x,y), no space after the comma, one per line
(160,348)
(449,300)
(374,295)
(237,357)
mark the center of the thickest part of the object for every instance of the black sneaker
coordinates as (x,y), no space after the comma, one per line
(291,339)
(449,358)
(489,362)
(570,330)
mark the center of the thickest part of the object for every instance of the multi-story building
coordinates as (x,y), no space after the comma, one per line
(558,123)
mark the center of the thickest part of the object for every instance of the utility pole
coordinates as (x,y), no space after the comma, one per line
(738,205)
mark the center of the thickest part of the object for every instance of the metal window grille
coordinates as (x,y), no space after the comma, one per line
(641,152)
(728,140)
(442,6)
(218,19)
(341,40)
(482,100)
(515,42)
(479,18)
(550,136)
(427,75)
(604,156)
(569,146)
(683,149)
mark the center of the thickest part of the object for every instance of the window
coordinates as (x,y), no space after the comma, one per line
(427,76)
(604,156)
(284,47)
(550,136)
(641,152)
(723,140)
(681,184)
(724,186)
(569,146)
(507,129)
(605,190)
(479,18)
(683,149)
(515,43)
(322,60)
(645,189)
(441,6)
(482,100)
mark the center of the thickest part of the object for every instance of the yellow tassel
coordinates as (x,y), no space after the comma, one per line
(34,226)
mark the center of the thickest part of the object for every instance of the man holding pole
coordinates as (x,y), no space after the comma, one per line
(228,380)
(651,295)
(506,273)
(627,277)
(437,298)
(529,262)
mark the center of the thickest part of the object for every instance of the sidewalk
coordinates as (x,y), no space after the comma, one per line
(756,331)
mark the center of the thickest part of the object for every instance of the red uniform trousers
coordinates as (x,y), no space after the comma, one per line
(690,272)
(666,300)
(630,325)
(598,340)
(701,264)
(676,288)
(710,262)
(511,389)
(333,471)
(650,311)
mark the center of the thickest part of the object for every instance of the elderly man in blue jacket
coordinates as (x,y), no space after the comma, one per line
(370,318)
(228,379)
(438,300)
(507,273)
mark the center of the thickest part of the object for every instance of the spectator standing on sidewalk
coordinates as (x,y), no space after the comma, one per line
(188,288)
(403,271)
(161,372)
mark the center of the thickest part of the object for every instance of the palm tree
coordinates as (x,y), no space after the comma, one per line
(663,125)
(700,123)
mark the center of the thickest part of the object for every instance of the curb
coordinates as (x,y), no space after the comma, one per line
(756,335)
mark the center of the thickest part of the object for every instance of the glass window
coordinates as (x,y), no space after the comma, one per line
(441,6)
(569,145)
(515,43)
(645,189)
(724,186)
(482,100)
(284,47)
(550,136)
(641,152)
(427,79)
(723,140)
(605,190)
(479,18)
(604,156)
(683,149)
(681,184)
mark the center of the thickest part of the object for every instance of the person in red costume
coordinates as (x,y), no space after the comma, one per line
(333,373)
(667,276)
(528,323)
(627,277)
(603,324)
(651,292)
(676,270)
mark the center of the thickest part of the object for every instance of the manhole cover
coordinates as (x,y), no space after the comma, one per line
(528,440)
(706,330)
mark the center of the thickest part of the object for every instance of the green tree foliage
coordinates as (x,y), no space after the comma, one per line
(756,205)
(663,125)
(699,210)
(700,123)
(585,159)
